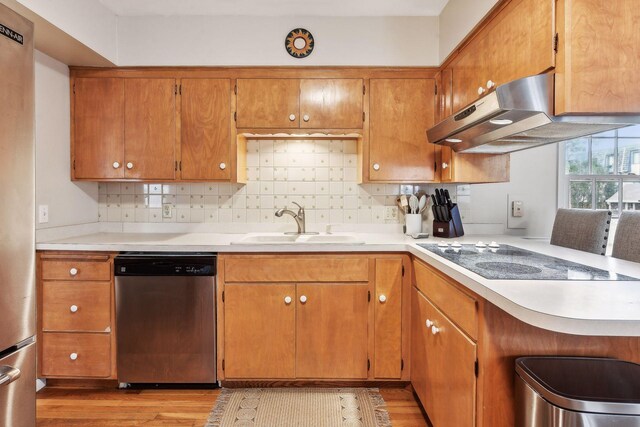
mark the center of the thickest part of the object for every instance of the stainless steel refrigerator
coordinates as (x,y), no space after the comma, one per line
(17,222)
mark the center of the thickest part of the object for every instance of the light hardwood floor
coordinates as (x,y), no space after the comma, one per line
(93,408)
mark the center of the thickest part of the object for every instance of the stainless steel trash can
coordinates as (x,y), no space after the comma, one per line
(577,392)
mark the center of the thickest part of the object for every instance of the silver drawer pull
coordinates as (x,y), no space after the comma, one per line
(73,356)
(73,308)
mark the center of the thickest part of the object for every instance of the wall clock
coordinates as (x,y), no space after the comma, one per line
(299,43)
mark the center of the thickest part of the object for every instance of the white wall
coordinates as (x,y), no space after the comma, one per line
(69,203)
(534,181)
(456,21)
(86,20)
(243,40)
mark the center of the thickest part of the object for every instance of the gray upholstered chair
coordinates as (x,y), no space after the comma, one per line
(626,244)
(584,230)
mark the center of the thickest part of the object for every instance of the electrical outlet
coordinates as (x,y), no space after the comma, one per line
(167,210)
(390,213)
(517,208)
(43,214)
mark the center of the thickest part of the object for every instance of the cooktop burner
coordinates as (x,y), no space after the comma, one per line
(511,266)
(511,263)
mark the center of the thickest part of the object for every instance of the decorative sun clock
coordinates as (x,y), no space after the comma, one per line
(299,43)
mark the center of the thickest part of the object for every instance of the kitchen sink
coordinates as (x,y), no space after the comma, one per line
(331,239)
(283,239)
(266,239)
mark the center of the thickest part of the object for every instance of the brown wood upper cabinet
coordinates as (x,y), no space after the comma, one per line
(598,62)
(205,143)
(401,112)
(300,103)
(124,129)
(149,129)
(468,168)
(98,128)
(517,42)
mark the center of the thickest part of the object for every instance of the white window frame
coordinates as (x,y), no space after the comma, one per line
(563,180)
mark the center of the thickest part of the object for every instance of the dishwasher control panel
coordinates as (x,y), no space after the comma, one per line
(165,264)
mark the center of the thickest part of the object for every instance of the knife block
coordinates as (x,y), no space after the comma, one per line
(450,229)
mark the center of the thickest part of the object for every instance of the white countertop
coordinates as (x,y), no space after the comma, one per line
(606,308)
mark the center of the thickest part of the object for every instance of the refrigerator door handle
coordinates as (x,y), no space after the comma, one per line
(8,374)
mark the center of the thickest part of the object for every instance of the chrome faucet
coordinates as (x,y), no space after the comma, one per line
(299,217)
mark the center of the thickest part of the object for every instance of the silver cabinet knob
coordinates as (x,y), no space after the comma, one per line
(435,330)
(303,299)
(376,167)
(490,84)
(445,165)
(223,166)
(481,90)
(305,117)
(429,323)
(382,298)
(73,356)
(292,117)
(129,165)
(73,271)
(73,308)
(116,165)
(287,300)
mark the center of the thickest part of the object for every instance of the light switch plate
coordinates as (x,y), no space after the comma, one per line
(43,214)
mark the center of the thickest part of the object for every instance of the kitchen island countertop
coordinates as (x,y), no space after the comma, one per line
(598,308)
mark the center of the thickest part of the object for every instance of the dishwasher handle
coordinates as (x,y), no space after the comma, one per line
(8,374)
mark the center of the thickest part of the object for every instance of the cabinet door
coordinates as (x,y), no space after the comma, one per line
(519,42)
(205,129)
(469,72)
(401,112)
(331,335)
(419,335)
(470,168)
(451,379)
(150,128)
(259,330)
(598,62)
(98,128)
(516,43)
(388,318)
(268,103)
(331,103)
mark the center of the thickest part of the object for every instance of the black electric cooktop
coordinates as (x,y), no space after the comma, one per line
(511,263)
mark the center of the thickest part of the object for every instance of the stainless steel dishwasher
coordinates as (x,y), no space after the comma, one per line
(165,317)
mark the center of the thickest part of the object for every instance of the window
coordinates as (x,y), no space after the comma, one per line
(602,171)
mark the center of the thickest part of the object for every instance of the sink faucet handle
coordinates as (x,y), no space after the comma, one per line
(300,208)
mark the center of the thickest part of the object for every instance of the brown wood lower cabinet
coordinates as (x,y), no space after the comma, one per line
(331,334)
(260,330)
(76,355)
(76,315)
(467,328)
(444,366)
(312,317)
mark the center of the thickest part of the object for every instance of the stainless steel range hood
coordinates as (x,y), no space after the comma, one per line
(516,116)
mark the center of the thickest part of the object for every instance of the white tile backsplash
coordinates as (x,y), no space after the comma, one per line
(319,174)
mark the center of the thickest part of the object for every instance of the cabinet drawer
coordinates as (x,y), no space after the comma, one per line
(458,306)
(92,354)
(76,306)
(76,269)
(296,269)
